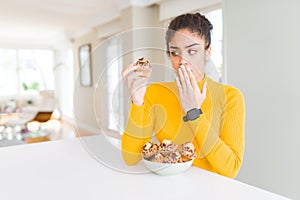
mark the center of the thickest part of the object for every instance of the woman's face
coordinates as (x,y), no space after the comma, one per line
(187,48)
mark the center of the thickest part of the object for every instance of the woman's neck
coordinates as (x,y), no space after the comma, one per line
(199,77)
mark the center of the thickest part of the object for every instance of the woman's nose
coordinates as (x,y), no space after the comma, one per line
(183,61)
(183,58)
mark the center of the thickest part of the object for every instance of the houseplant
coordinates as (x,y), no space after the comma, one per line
(33,86)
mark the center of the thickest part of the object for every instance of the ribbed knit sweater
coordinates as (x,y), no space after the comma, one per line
(218,134)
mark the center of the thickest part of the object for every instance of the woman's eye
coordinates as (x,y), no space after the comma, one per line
(174,53)
(192,52)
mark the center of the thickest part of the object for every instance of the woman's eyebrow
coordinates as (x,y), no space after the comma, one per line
(192,45)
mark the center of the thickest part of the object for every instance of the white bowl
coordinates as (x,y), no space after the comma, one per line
(167,169)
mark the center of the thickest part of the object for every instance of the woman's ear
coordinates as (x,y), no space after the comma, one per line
(207,53)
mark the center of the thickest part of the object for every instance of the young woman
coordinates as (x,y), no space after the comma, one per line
(193,108)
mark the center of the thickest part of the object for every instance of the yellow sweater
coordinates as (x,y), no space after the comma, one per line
(218,134)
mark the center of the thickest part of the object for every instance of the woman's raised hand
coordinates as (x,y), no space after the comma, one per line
(189,93)
(136,83)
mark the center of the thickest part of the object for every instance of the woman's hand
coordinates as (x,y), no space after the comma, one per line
(189,93)
(136,84)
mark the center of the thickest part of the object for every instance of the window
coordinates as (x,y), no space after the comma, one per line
(9,81)
(64,73)
(114,90)
(27,66)
(215,17)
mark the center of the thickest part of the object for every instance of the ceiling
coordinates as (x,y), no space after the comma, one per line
(36,22)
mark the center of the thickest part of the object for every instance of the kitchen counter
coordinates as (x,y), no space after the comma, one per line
(92,168)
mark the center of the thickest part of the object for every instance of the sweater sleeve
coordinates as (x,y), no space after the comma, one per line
(138,130)
(223,148)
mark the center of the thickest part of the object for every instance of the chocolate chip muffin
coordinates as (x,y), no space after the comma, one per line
(143,66)
(149,149)
(173,158)
(188,151)
(167,147)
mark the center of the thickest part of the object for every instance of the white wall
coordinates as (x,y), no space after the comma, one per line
(171,8)
(84,96)
(262,40)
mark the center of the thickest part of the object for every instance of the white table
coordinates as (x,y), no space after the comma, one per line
(70,169)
